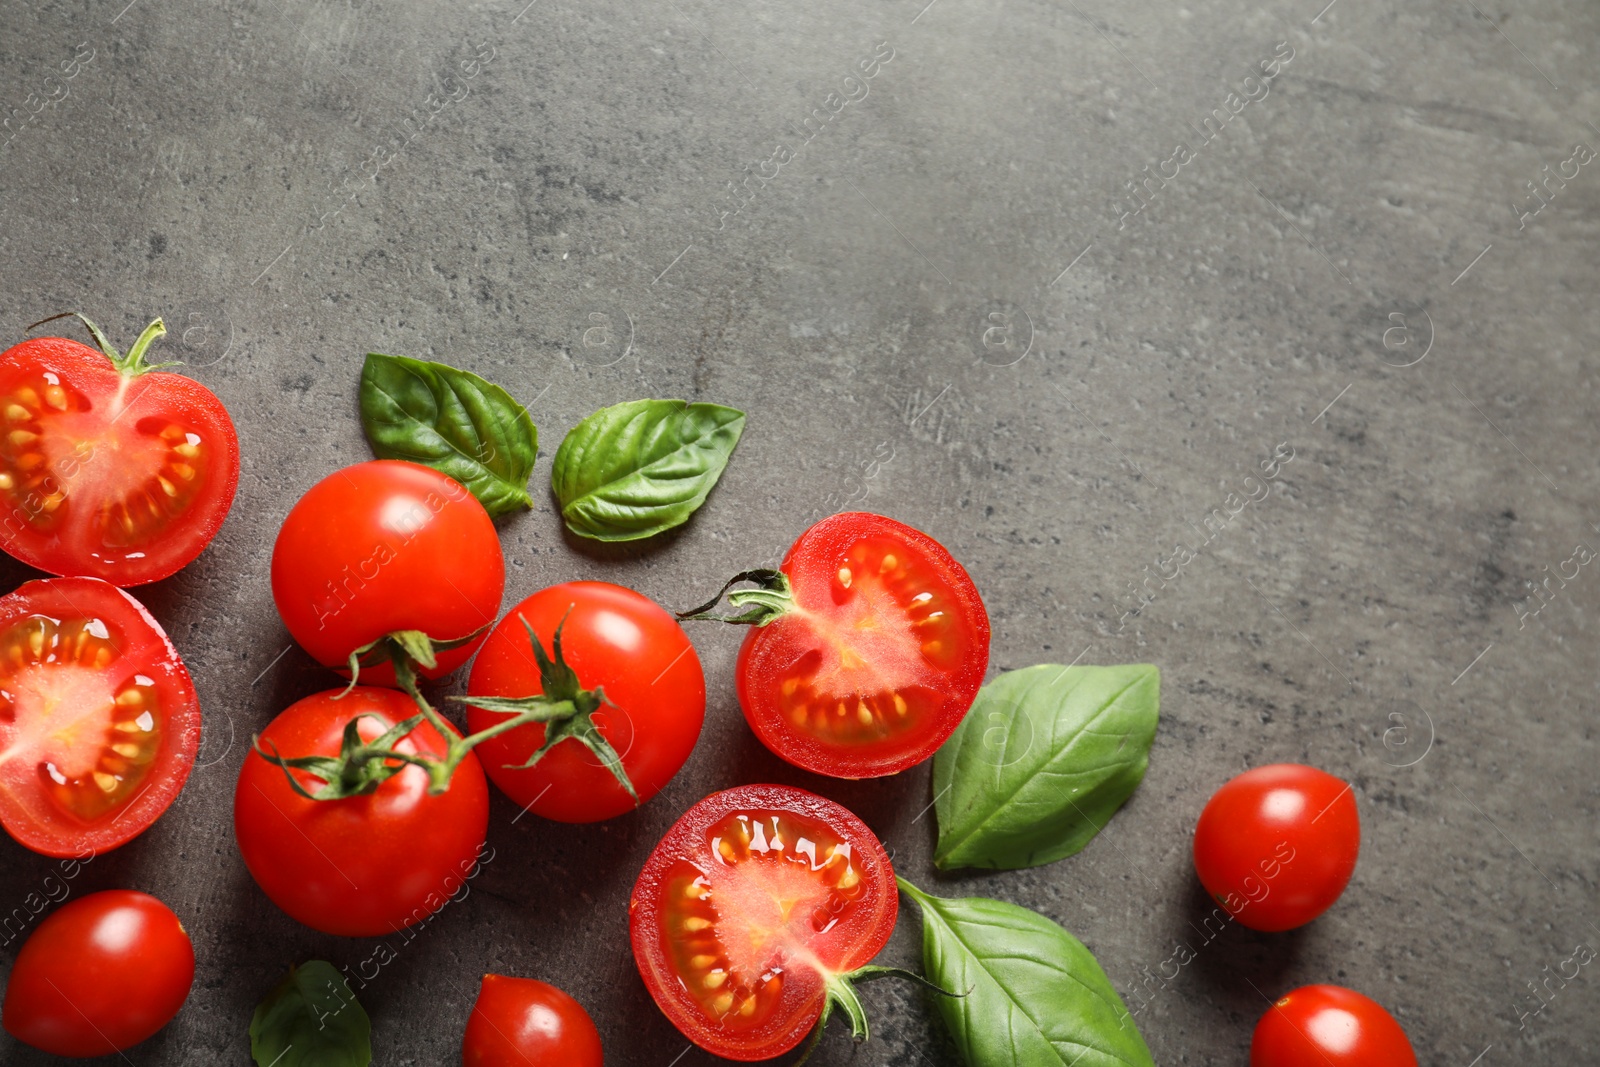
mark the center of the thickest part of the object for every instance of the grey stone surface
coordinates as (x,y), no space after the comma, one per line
(271,178)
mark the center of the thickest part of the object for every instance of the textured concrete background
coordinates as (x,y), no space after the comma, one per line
(1342,270)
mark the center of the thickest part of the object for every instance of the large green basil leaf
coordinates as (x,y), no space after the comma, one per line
(453,421)
(311,1020)
(632,470)
(1044,758)
(1035,997)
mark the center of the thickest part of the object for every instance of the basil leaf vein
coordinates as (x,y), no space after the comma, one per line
(1043,759)
(637,469)
(311,1019)
(453,421)
(1035,996)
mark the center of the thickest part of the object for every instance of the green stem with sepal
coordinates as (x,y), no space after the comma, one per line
(841,994)
(771,598)
(131,365)
(564,707)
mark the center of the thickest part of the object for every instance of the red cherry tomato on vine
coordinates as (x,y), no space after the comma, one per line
(385,546)
(1277,845)
(1329,1026)
(99,722)
(109,467)
(655,699)
(518,1022)
(753,900)
(878,658)
(99,975)
(361,866)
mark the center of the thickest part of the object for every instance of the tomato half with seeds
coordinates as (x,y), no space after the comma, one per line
(876,656)
(1318,1025)
(385,546)
(109,467)
(99,722)
(366,865)
(755,905)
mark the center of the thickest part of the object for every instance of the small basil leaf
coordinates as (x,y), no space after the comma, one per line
(1043,759)
(311,1020)
(1035,997)
(453,421)
(633,470)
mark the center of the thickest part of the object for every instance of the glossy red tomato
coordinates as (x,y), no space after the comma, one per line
(752,900)
(361,866)
(385,546)
(1277,845)
(99,722)
(1329,1026)
(618,641)
(116,471)
(878,659)
(100,974)
(518,1022)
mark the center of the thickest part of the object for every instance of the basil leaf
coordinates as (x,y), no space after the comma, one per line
(1035,997)
(453,421)
(1045,756)
(633,470)
(311,1020)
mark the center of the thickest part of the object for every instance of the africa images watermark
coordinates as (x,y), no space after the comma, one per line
(56,887)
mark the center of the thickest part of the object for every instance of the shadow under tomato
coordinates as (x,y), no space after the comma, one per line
(1230,957)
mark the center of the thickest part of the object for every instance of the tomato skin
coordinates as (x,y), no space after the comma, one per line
(84,441)
(939,687)
(99,975)
(617,640)
(1331,1025)
(665,944)
(361,866)
(383,546)
(141,651)
(517,1022)
(1278,844)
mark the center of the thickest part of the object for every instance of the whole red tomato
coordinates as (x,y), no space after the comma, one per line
(752,903)
(365,865)
(108,466)
(877,655)
(518,1022)
(1329,1026)
(655,699)
(1277,845)
(99,975)
(385,546)
(99,722)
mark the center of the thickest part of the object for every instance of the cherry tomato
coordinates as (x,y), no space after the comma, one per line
(99,722)
(518,1022)
(752,900)
(367,865)
(1277,845)
(1329,1025)
(655,699)
(100,974)
(385,546)
(878,659)
(117,471)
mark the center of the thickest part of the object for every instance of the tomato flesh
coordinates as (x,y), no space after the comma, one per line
(1331,1025)
(879,658)
(124,477)
(99,722)
(753,899)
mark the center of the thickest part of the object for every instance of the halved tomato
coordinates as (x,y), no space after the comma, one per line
(99,722)
(751,913)
(877,657)
(109,467)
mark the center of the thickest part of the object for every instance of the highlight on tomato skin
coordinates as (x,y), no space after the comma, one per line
(1329,1025)
(753,901)
(99,721)
(109,467)
(522,1022)
(879,657)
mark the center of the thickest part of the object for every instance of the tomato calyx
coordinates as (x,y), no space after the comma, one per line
(841,993)
(130,365)
(771,599)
